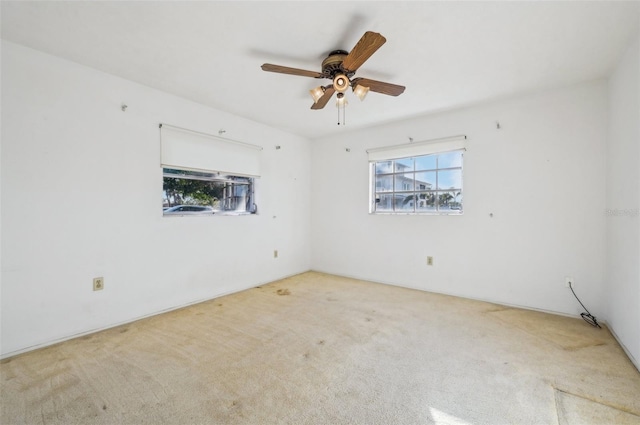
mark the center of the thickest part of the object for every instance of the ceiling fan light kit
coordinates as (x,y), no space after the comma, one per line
(341,83)
(317,93)
(341,100)
(360,91)
(340,67)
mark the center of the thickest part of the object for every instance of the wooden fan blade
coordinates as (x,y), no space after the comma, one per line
(291,71)
(329,90)
(366,46)
(379,86)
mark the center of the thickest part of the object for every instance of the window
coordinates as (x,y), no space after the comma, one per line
(199,193)
(417,178)
(194,182)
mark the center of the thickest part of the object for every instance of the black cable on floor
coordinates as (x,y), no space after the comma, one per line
(588,317)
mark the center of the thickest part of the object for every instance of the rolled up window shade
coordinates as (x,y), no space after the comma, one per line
(426,147)
(191,150)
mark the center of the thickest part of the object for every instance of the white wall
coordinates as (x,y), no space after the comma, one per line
(541,176)
(623,203)
(81,197)
(81,189)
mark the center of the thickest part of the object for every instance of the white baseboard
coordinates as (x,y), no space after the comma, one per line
(135,319)
(635,361)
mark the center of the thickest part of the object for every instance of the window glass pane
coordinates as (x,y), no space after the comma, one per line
(384,203)
(449,179)
(180,194)
(426,180)
(235,198)
(456,203)
(404,182)
(450,159)
(446,200)
(403,164)
(427,162)
(440,200)
(426,202)
(404,203)
(384,167)
(384,183)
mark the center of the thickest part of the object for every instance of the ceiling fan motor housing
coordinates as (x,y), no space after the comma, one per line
(332,65)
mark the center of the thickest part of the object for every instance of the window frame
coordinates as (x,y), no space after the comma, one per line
(374,186)
(214,176)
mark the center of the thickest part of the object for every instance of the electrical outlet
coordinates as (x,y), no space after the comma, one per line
(568,281)
(429,261)
(275,253)
(98,283)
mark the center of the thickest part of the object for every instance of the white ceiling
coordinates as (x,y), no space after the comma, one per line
(447,54)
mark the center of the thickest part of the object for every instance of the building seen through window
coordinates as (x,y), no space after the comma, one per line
(419,184)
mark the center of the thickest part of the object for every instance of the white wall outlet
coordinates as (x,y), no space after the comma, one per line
(569,282)
(98,283)
(275,253)
(429,261)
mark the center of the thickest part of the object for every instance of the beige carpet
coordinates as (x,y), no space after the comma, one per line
(320,349)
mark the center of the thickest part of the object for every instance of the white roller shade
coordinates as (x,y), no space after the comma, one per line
(426,147)
(191,150)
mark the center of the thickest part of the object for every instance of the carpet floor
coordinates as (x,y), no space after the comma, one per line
(322,349)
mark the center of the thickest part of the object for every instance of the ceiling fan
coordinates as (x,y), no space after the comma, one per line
(340,67)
